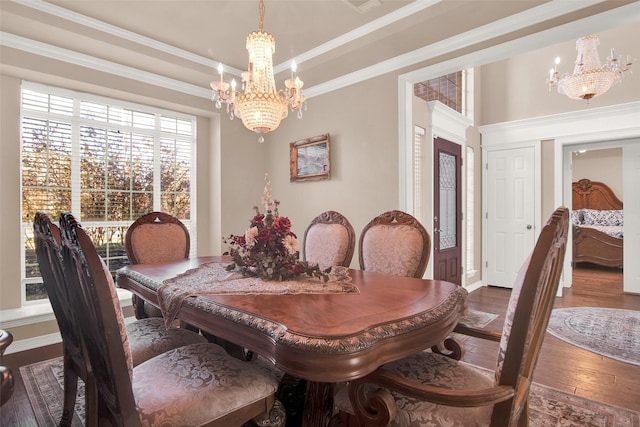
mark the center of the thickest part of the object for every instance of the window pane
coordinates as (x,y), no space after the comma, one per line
(93,206)
(93,148)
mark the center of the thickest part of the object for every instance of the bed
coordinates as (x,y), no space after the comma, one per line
(597,222)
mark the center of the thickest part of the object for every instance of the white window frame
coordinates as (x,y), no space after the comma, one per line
(76,121)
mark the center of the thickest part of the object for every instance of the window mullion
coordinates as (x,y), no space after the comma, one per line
(157,173)
(75,161)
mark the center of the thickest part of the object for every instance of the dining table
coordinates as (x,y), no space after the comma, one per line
(322,332)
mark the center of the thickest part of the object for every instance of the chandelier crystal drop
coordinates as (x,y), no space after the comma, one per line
(590,78)
(259,104)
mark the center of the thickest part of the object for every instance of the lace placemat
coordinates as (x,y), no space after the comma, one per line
(212,279)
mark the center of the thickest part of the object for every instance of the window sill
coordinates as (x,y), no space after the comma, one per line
(42,312)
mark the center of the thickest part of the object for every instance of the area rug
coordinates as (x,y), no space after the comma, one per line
(547,406)
(609,332)
(477,319)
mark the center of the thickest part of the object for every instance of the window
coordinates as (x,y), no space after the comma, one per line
(447,89)
(106,161)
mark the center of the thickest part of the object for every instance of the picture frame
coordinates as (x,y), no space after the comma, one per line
(310,158)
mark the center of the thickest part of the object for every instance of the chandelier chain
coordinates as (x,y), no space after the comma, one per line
(262,11)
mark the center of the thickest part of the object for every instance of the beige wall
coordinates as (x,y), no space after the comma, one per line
(364,157)
(600,165)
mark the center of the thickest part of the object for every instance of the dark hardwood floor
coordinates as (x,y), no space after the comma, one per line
(561,365)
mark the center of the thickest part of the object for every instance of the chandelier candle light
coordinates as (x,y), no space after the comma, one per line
(260,106)
(590,78)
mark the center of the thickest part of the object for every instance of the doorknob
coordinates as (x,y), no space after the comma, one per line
(529,226)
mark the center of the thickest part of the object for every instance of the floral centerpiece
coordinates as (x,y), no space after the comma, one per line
(269,249)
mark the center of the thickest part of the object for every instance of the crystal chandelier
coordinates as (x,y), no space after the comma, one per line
(590,78)
(260,106)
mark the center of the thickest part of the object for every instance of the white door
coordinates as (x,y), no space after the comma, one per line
(509,213)
(631,249)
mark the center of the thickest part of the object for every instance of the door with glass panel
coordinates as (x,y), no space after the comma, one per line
(447,219)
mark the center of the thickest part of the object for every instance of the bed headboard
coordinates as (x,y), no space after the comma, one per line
(594,195)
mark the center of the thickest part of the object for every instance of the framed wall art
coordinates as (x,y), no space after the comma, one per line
(310,158)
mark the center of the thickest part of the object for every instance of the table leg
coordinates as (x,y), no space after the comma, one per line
(318,407)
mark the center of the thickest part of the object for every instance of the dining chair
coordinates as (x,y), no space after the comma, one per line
(6,375)
(395,243)
(147,337)
(197,384)
(431,389)
(329,240)
(153,238)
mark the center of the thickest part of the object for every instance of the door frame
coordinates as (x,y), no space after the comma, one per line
(438,121)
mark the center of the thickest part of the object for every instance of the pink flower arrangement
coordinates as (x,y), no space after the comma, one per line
(268,248)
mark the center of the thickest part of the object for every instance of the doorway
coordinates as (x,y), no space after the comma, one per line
(630,171)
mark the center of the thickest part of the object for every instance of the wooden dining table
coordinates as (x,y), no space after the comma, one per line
(324,338)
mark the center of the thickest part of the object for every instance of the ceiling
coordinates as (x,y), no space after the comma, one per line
(329,39)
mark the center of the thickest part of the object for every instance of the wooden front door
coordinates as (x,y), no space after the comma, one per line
(447,220)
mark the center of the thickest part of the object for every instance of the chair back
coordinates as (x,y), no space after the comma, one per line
(157,237)
(49,256)
(329,240)
(395,243)
(7,381)
(528,315)
(93,294)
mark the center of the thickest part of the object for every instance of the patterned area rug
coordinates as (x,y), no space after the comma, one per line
(548,406)
(609,332)
(477,319)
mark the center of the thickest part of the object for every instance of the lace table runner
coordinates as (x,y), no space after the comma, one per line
(212,279)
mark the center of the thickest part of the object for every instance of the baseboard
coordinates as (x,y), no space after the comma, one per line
(474,286)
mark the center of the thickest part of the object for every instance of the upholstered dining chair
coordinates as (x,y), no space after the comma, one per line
(147,337)
(395,243)
(197,384)
(431,389)
(6,375)
(153,238)
(329,240)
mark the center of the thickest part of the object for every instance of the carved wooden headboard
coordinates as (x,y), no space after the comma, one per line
(594,195)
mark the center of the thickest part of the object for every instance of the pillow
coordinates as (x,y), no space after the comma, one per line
(602,217)
(576,217)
